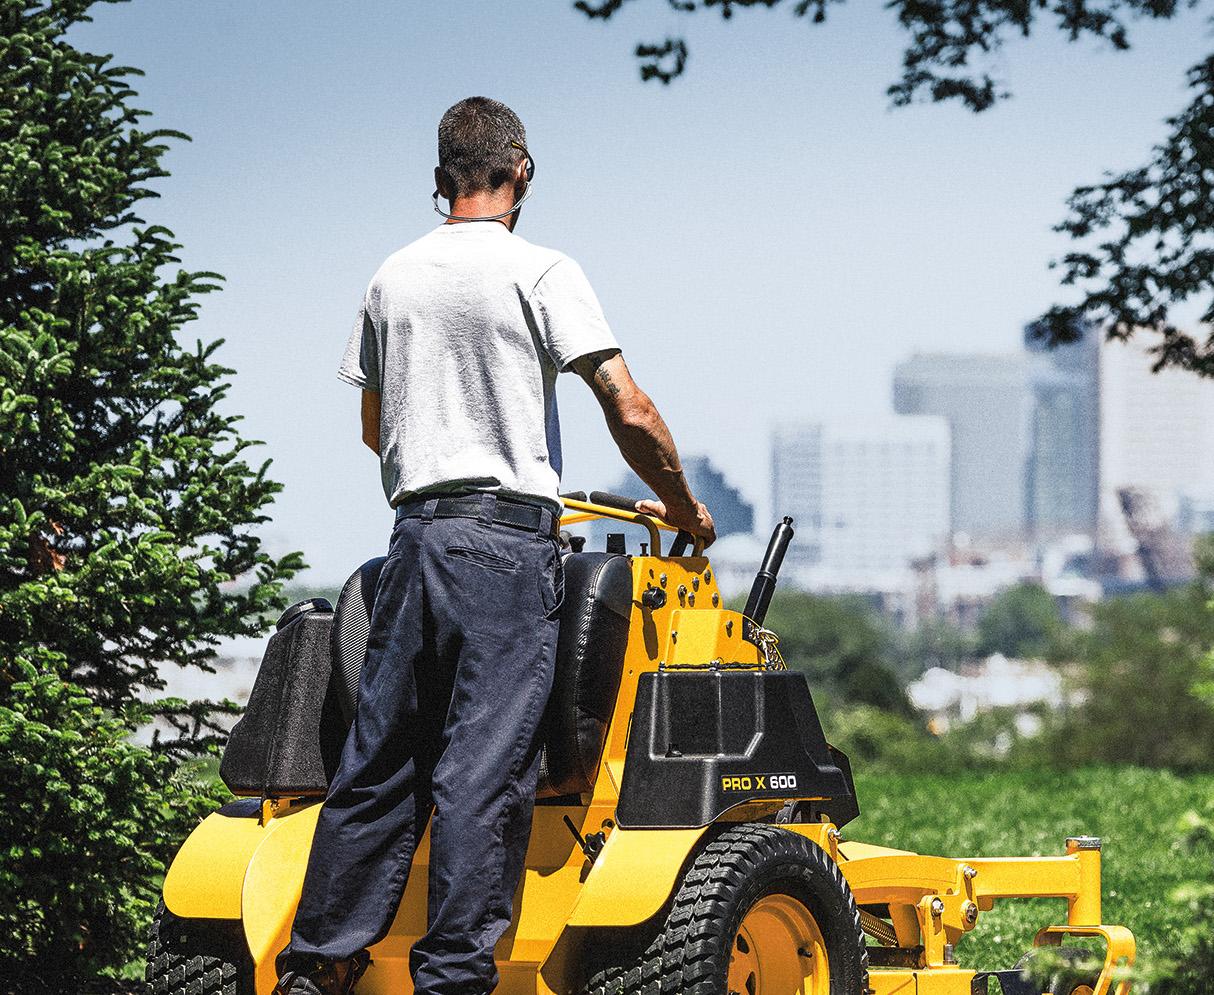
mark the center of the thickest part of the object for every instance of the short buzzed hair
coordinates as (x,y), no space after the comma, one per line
(474,144)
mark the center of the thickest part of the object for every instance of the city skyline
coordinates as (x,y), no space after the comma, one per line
(1068,461)
(1047,454)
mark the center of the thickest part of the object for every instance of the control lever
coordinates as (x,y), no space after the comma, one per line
(765,579)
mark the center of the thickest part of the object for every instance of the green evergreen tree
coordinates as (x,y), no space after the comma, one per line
(127,511)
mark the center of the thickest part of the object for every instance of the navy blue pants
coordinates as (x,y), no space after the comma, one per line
(458,671)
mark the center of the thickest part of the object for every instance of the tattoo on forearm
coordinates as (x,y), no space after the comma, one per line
(605,381)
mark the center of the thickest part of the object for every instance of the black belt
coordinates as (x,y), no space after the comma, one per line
(505,511)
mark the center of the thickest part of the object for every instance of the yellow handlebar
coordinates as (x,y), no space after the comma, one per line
(584,511)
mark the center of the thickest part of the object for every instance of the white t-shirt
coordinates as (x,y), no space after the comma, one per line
(463,333)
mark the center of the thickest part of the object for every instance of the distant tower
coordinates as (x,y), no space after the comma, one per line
(986,401)
(1156,435)
(796,487)
(1166,556)
(868,498)
(730,512)
(1062,468)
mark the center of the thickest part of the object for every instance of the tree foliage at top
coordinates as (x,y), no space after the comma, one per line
(1146,236)
(1149,242)
(951,41)
(127,506)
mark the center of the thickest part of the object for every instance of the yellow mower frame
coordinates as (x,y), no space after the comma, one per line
(251,869)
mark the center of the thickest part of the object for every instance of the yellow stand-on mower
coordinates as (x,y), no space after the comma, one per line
(688,830)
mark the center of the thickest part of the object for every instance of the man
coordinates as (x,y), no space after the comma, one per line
(456,349)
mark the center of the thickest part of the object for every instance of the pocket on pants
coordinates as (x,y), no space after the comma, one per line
(552,585)
(483,558)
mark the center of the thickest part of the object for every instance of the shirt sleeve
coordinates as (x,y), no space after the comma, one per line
(567,314)
(360,364)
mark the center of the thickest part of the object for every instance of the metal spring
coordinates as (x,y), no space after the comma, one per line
(878,929)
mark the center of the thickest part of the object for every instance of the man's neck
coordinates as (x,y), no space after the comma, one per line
(484,204)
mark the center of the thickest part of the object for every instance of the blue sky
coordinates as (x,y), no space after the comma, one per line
(767,237)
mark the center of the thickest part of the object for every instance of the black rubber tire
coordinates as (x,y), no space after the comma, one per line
(686,949)
(1064,979)
(197,957)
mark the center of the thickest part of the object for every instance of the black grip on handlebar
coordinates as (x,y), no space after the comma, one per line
(765,580)
(609,500)
(573,496)
(682,541)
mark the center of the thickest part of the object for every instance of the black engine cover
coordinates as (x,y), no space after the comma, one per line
(703,742)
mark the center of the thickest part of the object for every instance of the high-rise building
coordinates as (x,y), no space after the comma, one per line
(987,402)
(867,498)
(1062,467)
(730,512)
(1156,433)
(796,487)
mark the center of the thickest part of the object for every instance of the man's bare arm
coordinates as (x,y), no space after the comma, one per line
(370,420)
(644,440)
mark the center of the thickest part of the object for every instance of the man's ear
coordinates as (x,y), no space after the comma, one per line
(442,183)
(520,173)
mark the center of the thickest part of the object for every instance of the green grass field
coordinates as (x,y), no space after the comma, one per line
(1022,813)
(1028,813)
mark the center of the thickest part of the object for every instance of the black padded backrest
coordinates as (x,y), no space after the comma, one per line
(589,664)
(289,739)
(351,627)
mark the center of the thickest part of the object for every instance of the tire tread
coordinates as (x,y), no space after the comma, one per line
(196,957)
(679,953)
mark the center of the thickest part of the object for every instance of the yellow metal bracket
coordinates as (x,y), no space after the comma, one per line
(1118,956)
(207,875)
(272,885)
(938,899)
(700,636)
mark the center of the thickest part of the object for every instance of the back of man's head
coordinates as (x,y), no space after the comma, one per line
(475,147)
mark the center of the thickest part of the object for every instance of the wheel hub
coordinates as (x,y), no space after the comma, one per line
(778,950)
